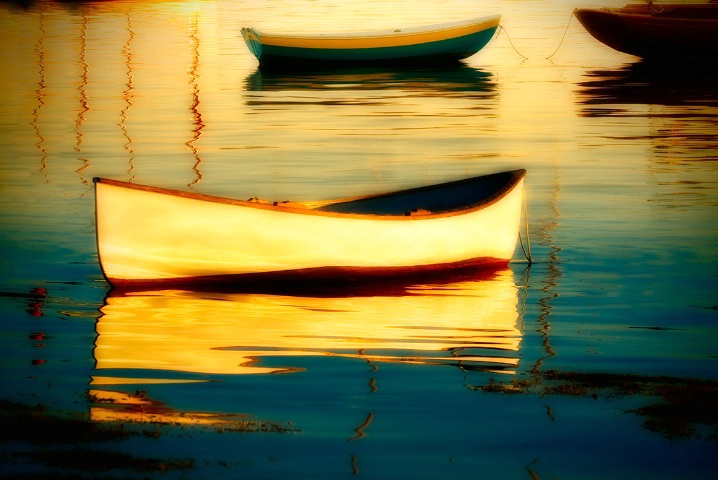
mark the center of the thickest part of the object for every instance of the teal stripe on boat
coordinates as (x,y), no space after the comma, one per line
(255,47)
(456,48)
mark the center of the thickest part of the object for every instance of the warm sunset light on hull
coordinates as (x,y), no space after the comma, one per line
(434,43)
(156,237)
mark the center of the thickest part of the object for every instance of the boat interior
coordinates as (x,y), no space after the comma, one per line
(672,10)
(444,198)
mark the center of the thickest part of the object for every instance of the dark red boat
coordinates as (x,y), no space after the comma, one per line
(655,30)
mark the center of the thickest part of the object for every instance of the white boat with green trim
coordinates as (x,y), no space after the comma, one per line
(438,43)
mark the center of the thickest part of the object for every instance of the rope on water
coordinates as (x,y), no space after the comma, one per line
(527,248)
(564,35)
(503,29)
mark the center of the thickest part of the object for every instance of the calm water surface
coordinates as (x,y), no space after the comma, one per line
(622,192)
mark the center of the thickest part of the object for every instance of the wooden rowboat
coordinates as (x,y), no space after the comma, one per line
(677,30)
(447,42)
(149,236)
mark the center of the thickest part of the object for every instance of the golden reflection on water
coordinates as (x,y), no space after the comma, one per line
(468,323)
(162,98)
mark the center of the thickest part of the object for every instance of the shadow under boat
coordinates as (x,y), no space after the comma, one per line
(355,285)
(179,336)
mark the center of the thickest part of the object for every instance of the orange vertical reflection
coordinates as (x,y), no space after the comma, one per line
(84,101)
(194,107)
(360,433)
(552,276)
(127,95)
(40,95)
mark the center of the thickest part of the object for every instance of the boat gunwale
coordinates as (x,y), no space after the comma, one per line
(378,34)
(645,13)
(312,207)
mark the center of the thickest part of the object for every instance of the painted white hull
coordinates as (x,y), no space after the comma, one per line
(146,236)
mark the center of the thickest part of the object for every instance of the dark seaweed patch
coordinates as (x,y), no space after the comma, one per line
(94,460)
(679,408)
(37,425)
(65,443)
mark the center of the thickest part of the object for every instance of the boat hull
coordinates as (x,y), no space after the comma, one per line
(155,237)
(676,31)
(433,44)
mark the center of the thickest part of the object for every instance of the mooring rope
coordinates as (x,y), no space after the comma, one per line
(512,43)
(564,34)
(527,248)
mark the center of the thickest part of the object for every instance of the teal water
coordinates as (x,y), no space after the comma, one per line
(621,193)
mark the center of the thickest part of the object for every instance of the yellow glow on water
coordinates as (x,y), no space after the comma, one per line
(229,334)
(167,93)
(621,191)
(122,83)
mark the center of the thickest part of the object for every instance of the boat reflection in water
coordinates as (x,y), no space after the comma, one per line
(649,83)
(679,109)
(187,336)
(460,80)
(468,321)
